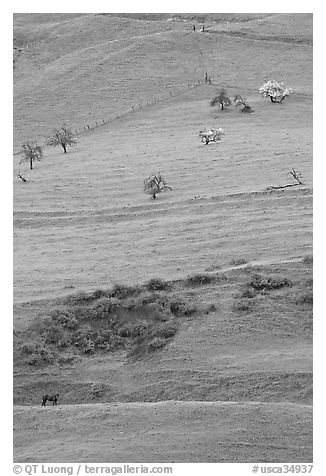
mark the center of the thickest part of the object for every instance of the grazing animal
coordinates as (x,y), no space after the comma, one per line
(50,398)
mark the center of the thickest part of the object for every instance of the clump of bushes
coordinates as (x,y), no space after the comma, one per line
(36,353)
(180,308)
(121,291)
(97,390)
(156,343)
(238,261)
(260,283)
(200,279)
(306,298)
(244,305)
(82,299)
(158,285)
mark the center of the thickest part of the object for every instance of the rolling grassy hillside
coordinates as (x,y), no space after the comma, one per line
(82,222)
(90,67)
(165,432)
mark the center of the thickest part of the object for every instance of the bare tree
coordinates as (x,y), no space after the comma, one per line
(21,176)
(222,99)
(62,137)
(31,151)
(155,184)
(241,101)
(296,175)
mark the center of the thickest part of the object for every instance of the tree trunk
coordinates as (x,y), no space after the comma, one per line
(222,106)
(64,148)
(31,163)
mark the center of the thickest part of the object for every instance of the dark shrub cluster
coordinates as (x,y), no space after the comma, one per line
(180,308)
(121,291)
(97,390)
(306,298)
(260,283)
(244,305)
(36,353)
(82,299)
(158,285)
(200,279)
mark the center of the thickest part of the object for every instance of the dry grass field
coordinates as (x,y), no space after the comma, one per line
(234,382)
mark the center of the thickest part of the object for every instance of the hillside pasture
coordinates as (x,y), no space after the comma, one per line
(234,383)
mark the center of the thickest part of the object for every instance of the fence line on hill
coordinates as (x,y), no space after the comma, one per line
(138,107)
(172,93)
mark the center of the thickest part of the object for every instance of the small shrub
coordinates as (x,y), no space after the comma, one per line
(36,353)
(306,298)
(259,283)
(120,291)
(200,279)
(249,292)
(65,319)
(156,344)
(238,262)
(104,308)
(97,390)
(133,329)
(243,305)
(166,330)
(80,299)
(158,285)
(179,308)
(53,334)
(99,293)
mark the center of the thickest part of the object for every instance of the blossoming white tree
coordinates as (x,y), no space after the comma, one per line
(275,90)
(211,135)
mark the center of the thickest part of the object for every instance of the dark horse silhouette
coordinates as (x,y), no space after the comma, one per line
(50,398)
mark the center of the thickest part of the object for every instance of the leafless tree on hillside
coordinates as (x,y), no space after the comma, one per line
(31,151)
(296,175)
(222,99)
(155,184)
(62,137)
(21,176)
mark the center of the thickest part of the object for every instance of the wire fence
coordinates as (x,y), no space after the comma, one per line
(142,105)
(136,107)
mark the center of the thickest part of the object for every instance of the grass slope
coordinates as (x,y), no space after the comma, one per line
(212,432)
(82,222)
(87,68)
